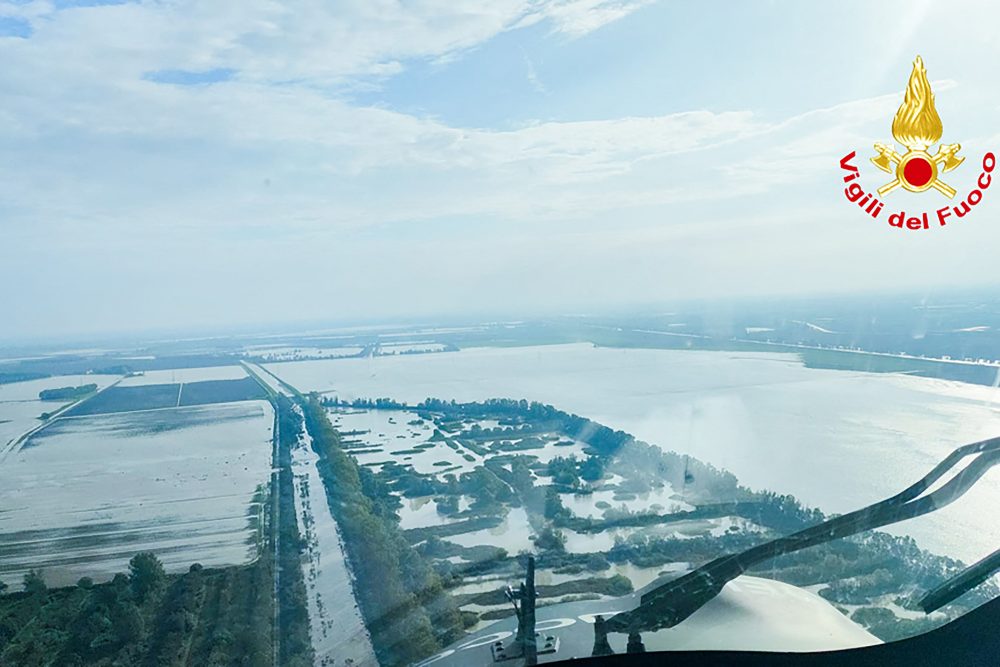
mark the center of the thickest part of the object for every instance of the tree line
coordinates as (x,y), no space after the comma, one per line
(145,617)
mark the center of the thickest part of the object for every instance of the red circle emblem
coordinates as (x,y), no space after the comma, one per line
(918,172)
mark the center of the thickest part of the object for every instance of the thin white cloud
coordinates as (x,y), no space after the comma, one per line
(581,17)
(532,74)
(301,40)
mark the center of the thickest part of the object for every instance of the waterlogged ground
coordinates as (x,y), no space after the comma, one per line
(183,375)
(663,500)
(20,406)
(432,445)
(834,439)
(402,436)
(83,495)
(423,512)
(384,435)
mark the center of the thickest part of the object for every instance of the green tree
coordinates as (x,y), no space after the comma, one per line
(127,623)
(447,505)
(550,540)
(592,469)
(554,508)
(34,583)
(146,575)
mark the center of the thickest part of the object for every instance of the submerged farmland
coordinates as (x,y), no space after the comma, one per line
(21,405)
(84,494)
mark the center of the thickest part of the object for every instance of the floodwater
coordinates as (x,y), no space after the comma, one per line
(513,534)
(85,494)
(185,375)
(837,440)
(391,431)
(659,501)
(396,435)
(28,390)
(422,512)
(20,406)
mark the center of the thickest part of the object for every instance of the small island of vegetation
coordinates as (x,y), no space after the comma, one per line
(66,393)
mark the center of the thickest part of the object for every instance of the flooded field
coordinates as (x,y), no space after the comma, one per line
(131,398)
(83,495)
(834,439)
(182,375)
(20,406)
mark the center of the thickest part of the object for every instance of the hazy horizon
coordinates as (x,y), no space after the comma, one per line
(763,305)
(176,166)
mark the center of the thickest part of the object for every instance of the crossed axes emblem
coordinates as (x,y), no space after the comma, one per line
(917,170)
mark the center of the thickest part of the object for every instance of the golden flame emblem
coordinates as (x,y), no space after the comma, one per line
(917,126)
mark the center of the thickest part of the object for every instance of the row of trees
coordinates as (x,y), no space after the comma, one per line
(145,617)
(294,643)
(146,572)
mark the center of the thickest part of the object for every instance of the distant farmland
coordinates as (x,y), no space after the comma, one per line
(84,494)
(221,391)
(156,396)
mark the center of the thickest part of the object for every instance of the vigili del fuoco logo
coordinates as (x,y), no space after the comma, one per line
(917,126)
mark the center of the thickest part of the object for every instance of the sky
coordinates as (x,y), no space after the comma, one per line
(180,164)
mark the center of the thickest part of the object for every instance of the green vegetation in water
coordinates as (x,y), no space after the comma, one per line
(870,570)
(66,393)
